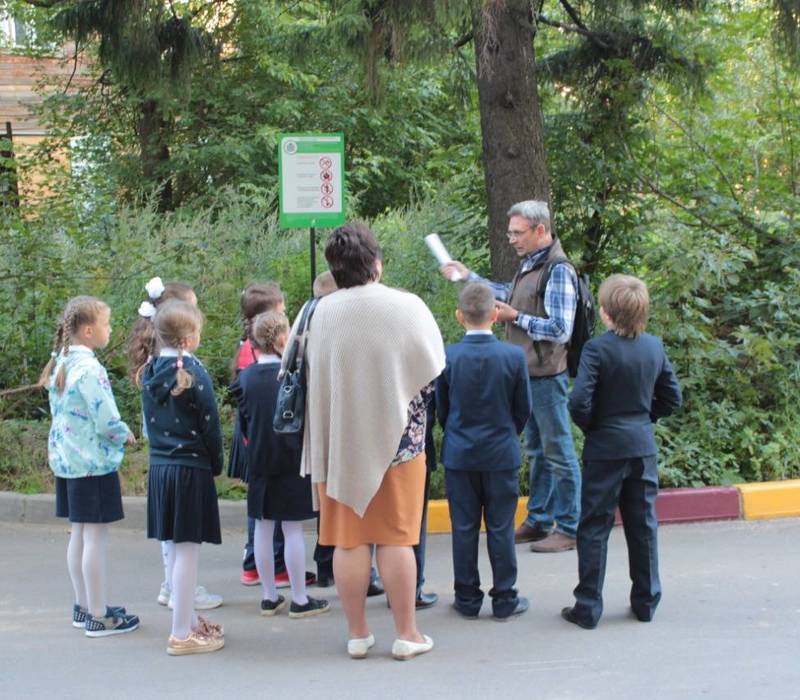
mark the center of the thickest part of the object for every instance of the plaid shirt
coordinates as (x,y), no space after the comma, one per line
(560,300)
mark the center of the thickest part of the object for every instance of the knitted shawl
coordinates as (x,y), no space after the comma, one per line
(371,349)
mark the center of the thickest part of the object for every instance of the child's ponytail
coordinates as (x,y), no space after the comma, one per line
(142,339)
(183,377)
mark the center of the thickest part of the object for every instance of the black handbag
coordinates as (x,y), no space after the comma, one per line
(291,406)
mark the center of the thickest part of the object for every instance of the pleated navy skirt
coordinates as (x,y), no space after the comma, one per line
(182,504)
(237,462)
(279,497)
(89,499)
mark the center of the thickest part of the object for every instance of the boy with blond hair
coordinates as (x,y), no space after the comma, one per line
(625,383)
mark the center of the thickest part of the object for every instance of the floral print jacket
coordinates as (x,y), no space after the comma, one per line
(87,436)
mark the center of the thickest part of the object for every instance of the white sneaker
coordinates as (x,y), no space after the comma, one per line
(203,600)
(163,594)
(358,648)
(402,649)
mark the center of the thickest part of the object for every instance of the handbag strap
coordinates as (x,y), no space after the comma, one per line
(295,359)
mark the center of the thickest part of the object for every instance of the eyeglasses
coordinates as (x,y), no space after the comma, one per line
(514,235)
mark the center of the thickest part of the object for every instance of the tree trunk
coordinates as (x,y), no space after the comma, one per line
(154,152)
(511,120)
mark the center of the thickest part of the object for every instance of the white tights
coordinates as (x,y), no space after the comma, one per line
(294,554)
(185,557)
(168,559)
(86,560)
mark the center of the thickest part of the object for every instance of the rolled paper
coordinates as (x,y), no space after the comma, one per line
(436,247)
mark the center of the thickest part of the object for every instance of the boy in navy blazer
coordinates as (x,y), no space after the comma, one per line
(624,384)
(483,402)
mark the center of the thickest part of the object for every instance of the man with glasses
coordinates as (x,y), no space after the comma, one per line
(540,322)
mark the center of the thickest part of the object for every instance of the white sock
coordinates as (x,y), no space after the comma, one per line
(184,581)
(294,554)
(265,558)
(75,562)
(95,547)
(168,560)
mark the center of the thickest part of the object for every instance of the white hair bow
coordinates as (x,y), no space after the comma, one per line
(155,288)
(147,310)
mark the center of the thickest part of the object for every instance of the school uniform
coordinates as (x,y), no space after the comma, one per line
(276,491)
(483,402)
(623,386)
(185,452)
(86,440)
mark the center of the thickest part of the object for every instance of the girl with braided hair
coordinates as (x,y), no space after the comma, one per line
(257,298)
(180,412)
(85,449)
(277,496)
(141,349)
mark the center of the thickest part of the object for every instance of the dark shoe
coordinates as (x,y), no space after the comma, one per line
(643,616)
(569,615)
(116,623)
(324,581)
(426,600)
(272,607)
(464,613)
(314,606)
(375,588)
(556,542)
(521,607)
(526,533)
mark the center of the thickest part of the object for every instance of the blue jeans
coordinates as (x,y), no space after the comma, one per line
(555,477)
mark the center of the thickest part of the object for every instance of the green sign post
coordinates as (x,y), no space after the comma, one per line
(312,183)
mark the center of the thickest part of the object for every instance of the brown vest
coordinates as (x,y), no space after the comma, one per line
(552,357)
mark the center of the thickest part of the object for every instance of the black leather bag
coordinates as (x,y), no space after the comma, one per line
(291,406)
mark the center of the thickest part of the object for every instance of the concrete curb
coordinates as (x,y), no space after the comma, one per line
(40,508)
(772,499)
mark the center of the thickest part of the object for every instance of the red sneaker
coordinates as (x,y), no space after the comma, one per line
(249,577)
(282,579)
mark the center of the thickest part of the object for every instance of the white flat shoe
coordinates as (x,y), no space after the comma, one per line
(358,648)
(403,650)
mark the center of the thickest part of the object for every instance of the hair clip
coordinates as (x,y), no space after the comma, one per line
(179,363)
(147,310)
(154,288)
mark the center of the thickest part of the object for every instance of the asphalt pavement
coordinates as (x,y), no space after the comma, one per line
(728,627)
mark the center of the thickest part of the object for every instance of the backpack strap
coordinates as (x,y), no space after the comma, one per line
(542,287)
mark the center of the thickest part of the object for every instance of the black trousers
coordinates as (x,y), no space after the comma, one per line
(631,484)
(491,496)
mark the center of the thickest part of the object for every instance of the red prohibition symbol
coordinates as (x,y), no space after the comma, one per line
(326,188)
(325,163)
(327,202)
(326,175)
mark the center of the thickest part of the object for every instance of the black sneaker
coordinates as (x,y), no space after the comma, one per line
(79,614)
(116,623)
(314,606)
(271,607)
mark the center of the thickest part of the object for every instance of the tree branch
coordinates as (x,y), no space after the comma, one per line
(592,36)
(464,40)
(574,16)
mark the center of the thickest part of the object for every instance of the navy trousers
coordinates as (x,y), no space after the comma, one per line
(491,496)
(631,484)
(419,549)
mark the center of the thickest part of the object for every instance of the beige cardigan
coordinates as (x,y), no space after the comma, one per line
(370,351)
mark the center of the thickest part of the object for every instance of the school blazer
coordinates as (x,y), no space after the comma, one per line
(483,402)
(623,386)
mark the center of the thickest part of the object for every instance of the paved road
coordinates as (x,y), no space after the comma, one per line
(728,627)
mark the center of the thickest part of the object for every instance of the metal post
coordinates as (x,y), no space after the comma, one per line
(313,242)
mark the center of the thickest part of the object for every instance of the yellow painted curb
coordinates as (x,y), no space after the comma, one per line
(439,515)
(772,499)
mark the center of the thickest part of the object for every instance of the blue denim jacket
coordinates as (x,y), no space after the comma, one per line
(87,436)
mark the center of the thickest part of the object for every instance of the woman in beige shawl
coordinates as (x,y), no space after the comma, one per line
(372,354)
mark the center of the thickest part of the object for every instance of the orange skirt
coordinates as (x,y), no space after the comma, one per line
(393,517)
